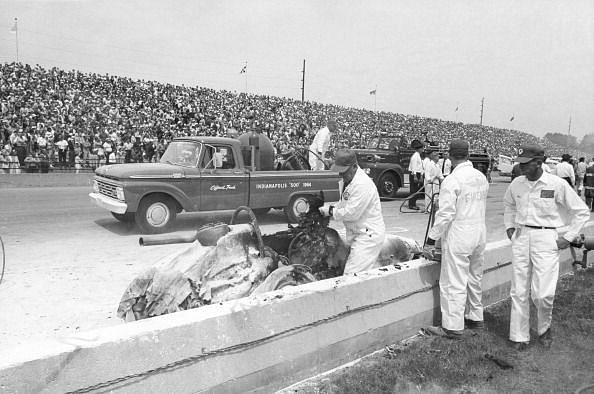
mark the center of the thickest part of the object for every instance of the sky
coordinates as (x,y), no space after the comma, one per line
(530,60)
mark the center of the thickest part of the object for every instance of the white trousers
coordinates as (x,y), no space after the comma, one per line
(431,188)
(365,250)
(314,162)
(460,292)
(535,271)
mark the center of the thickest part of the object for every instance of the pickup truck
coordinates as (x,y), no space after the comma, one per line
(386,161)
(203,174)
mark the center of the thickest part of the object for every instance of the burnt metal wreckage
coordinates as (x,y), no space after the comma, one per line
(231,261)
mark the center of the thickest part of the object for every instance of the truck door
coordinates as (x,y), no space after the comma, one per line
(223,185)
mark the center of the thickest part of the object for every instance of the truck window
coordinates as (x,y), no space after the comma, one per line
(183,153)
(225,152)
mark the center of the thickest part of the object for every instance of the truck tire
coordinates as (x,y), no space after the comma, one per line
(298,204)
(127,217)
(155,214)
(388,185)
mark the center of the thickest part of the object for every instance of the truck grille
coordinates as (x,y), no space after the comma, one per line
(107,189)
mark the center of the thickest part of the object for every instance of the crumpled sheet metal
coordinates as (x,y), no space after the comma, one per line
(196,276)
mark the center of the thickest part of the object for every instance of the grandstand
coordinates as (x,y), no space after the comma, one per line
(80,120)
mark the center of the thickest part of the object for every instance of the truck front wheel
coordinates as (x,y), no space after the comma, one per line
(297,206)
(155,214)
(388,185)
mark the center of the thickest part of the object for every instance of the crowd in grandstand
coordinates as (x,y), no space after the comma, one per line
(77,120)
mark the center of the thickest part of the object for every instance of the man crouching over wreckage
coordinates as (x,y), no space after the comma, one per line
(360,210)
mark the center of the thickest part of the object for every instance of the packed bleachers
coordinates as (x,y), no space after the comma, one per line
(76,120)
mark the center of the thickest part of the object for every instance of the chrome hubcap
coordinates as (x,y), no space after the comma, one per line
(301,206)
(157,215)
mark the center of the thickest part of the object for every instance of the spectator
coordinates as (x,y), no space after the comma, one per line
(579,174)
(565,169)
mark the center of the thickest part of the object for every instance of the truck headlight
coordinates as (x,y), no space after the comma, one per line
(367,170)
(96,186)
(120,193)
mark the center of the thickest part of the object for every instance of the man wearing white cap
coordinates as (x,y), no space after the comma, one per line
(320,144)
(535,205)
(360,210)
(460,223)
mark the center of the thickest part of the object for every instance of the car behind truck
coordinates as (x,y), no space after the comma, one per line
(198,174)
(386,161)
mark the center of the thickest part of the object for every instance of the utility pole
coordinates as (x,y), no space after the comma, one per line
(482,107)
(303,83)
(569,132)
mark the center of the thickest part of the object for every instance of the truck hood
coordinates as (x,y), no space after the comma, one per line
(140,170)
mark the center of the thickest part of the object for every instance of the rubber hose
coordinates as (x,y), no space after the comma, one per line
(253,222)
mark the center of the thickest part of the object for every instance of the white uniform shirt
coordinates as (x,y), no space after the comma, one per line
(545,203)
(565,170)
(321,142)
(445,168)
(546,168)
(359,207)
(463,199)
(432,172)
(416,164)
(581,169)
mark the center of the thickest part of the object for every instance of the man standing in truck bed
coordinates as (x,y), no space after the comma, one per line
(320,144)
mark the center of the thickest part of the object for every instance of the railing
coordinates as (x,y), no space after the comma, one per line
(11,165)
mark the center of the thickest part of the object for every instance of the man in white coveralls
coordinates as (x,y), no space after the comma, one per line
(460,223)
(536,204)
(360,210)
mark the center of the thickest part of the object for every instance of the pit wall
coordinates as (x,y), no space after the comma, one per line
(257,344)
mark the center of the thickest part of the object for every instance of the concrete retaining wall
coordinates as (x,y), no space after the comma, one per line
(252,344)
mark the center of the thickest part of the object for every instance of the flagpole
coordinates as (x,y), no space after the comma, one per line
(245,76)
(16,31)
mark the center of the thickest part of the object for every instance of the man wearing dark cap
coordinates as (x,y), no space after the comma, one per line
(536,205)
(460,224)
(565,169)
(360,210)
(416,172)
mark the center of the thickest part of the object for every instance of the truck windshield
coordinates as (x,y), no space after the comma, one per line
(182,153)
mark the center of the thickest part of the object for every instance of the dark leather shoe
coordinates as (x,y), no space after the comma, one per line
(546,339)
(415,208)
(474,324)
(519,346)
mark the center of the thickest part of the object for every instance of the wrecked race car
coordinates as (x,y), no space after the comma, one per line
(227,262)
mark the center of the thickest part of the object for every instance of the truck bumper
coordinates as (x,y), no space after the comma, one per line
(108,203)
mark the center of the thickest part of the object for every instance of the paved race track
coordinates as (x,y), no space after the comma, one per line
(69,262)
